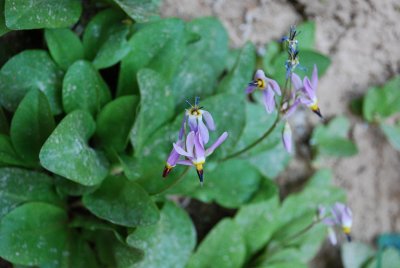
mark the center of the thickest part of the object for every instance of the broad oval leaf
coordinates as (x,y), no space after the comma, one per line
(223,247)
(156,107)
(158,46)
(31,126)
(169,242)
(64,46)
(19,186)
(8,156)
(35,14)
(67,153)
(84,88)
(115,122)
(3,27)
(30,69)
(204,61)
(241,74)
(33,234)
(122,202)
(393,135)
(99,29)
(139,10)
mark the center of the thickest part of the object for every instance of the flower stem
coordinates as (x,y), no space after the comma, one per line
(174,182)
(266,134)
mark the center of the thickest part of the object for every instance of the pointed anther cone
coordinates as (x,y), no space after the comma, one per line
(348,237)
(200,174)
(318,112)
(166,171)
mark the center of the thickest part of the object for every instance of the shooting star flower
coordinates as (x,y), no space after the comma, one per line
(341,217)
(287,137)
(268,86)
(195,117)
(195,152)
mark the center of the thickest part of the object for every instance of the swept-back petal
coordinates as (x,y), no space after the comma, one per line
(185,162)
(250,89)
(287,138)
(192,120)
(203,131)
(182,129)
(260,75)
(291,109)
(209,120)
(268,98)
(275,86)
(217,143)
(180,151)
(308,89)
(296,81)
(332,236)
(198,146)
(314,78)
(190,142)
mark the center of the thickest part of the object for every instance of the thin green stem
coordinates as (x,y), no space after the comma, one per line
(176,181)
(250,146)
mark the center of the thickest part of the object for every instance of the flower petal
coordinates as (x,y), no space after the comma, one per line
(291,109)
(250,89)
(190,143)
(185,162)
(174,155)
(287,137)
(314,78)
(203,131)
(332,236)
(198,146)
(308,89)
(192,122)
(209,120)
(182,129)
(180,151)
(217,143)
(275,86)
(296,81)
(260,75)
(268,98)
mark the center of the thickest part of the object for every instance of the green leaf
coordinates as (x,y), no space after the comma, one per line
(4,126)
(272,50)
(114,48)
(156,107)
(99,29)
(168,243)
(3,27)
(392,134)
(84,88)
(229,115)
(222,247)
(159,46)
(230,184)
(8,156)
(306,35)
(36,14)
(67,153)
(332,139)
(139,10)
(115,121)
(31,125)
(64,46)
(382,102)
(66,187)
(258,222)
(307,60)
(356,254)
(204,61)
(289,264)
(122,202)
(33,234)
(237,79)
(30,69)
(19,186)
(388,258)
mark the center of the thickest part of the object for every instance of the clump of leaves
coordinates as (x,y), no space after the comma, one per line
(81,154)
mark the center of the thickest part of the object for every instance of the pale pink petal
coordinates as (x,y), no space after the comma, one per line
(209,120)
(250,89)
(275,86)
(217,143)
(180,151)
(192,122)
(308,89)
(203,131)
(287,138)
(296,81)
(190,142)
(198,146)
(268,98)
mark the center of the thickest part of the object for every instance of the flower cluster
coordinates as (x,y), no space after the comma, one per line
(302,93)
(340,216)
(190,150)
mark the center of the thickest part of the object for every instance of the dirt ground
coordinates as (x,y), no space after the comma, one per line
(361,37)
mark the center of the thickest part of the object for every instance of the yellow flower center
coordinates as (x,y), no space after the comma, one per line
(346,230)
(199,166)
(314,107)
(195,111)
(260,83)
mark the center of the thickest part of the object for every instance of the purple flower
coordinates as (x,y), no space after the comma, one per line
(174,156)
(287,137)
(341,217)
(195,152)
(195,117)
(308,90)
(269,88)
